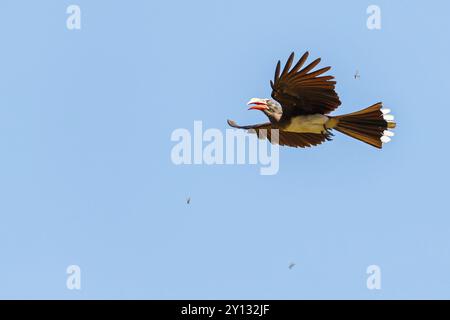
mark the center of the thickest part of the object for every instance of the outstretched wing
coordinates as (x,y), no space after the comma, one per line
(285,138)
(301,92)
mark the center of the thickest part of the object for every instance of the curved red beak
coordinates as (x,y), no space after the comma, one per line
(258,106)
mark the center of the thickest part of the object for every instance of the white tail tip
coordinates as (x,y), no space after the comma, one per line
(388,133)
(385,111)
(388,117)
(385,139)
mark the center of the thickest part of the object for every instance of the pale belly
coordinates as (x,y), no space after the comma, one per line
(313,123)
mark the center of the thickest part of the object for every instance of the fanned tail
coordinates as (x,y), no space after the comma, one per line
(369,125)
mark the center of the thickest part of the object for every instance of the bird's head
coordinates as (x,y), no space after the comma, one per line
(271,108)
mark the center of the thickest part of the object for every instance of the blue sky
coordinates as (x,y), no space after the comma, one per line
(86,176)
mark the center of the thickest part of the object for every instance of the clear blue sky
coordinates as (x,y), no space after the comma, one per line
(86,176)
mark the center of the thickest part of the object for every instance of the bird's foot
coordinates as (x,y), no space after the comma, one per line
(327,132)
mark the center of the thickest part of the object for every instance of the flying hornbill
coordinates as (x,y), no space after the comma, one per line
(300,106)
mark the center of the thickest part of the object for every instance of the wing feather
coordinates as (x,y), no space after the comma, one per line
(300,63)
(288,65)
(302,92)
(285,138)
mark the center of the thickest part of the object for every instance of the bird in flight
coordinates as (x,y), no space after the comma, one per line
(291,265)
(299,108)
(357,75)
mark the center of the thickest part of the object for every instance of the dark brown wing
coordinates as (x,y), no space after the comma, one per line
(301,92)
(285,138)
